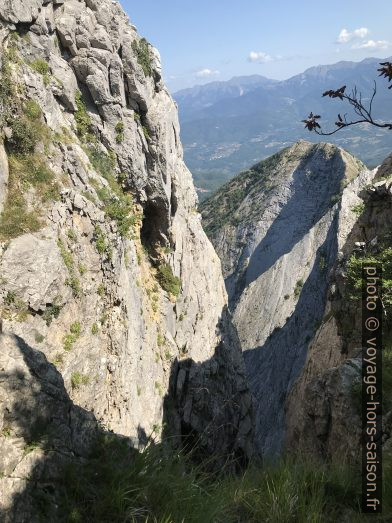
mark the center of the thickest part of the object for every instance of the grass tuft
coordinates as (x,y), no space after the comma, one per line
(32,110)
(78,379)
(71,338)
(41,67)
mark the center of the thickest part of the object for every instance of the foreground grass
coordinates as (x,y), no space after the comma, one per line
(122,485)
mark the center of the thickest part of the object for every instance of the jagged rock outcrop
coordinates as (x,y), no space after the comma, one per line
(324,406)
(105,269)
(279,229)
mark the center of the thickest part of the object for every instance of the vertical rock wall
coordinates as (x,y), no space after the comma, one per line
(107,278)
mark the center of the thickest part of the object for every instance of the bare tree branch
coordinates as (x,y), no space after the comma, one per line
(355,100)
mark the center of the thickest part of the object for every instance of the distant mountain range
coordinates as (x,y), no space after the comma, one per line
(228,126)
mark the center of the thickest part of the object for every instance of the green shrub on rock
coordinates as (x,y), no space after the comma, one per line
(24,138)
(76,328)
(141,49)
(32,110)
(83,120)
(354,275)
(71,338)
(167,280)
(52,311)
(118,205)
(298,288)
(100,240)
(119,132)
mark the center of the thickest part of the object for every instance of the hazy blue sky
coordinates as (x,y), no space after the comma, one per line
(205,40)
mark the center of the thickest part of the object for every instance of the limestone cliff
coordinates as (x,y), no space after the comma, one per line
(279,229)
(324,406)
(113,304)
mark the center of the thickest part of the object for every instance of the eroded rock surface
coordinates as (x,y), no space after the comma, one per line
(279,229)
(110,277)
(324,406)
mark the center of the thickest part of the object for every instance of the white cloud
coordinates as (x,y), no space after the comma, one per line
(260,57)
(361,33)
(359,41)
(373,44)
(206,73)
(345,36)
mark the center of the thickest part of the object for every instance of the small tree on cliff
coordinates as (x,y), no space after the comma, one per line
(364,113)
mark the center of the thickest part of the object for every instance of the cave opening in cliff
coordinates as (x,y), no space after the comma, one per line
(154,225)
(23,28)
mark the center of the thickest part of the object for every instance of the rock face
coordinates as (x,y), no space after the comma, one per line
(106,272)
(37,414)
(324,405)
(279,230)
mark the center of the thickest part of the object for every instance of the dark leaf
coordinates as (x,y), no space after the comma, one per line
(386,71)
(311,122)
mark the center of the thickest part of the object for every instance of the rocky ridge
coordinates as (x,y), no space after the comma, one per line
(279,229)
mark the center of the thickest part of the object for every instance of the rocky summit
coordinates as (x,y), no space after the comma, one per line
(280,229)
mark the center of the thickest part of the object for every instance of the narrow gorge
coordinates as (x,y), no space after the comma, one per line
(130,313)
